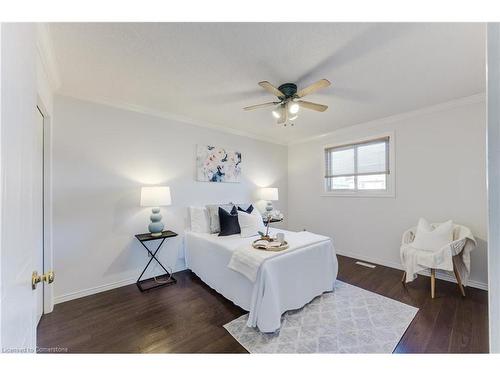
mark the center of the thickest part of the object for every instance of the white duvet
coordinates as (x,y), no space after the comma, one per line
(247,260)
(282,282)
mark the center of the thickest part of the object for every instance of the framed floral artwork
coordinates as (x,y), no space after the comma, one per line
(217,164)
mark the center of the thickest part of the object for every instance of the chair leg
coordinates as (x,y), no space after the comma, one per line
(459,279)
(403,279)
(433,282)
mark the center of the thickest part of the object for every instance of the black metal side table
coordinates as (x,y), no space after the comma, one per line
(169,279)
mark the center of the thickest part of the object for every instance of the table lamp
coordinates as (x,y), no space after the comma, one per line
(269,194)
(155,196)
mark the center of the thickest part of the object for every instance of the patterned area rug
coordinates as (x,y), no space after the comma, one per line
(347,320)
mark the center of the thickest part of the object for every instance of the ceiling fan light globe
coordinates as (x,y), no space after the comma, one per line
(293,108)
(276,114)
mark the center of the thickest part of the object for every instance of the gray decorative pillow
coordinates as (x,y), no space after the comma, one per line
(213,215)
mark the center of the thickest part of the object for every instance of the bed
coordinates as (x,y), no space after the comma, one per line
(284,282)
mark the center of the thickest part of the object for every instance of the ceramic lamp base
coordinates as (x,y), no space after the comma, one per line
(269,206)
(156,226)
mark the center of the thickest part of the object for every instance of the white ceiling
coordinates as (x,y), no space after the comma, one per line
(208,71)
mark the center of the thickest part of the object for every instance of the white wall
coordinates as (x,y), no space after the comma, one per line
(19,236)
(101,158)
(494,184)
(440,175)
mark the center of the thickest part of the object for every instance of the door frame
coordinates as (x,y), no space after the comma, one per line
(48,256)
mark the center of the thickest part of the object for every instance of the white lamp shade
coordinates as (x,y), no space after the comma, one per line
(269,194)
(155,196)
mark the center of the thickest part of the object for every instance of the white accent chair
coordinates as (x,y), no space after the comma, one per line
(455,257)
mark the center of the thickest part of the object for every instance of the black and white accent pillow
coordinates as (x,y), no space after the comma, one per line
(229,222)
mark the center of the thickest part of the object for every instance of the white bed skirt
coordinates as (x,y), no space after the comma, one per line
(285,282)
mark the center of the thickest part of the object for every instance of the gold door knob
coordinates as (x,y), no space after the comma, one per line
(48,277)
(35,279)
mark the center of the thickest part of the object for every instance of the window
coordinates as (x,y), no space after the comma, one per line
(358,168)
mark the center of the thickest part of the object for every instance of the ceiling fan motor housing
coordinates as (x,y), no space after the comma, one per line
(289,89)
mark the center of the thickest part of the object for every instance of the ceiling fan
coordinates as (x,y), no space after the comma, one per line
(289,100)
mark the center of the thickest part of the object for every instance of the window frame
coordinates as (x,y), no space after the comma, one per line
(389,192)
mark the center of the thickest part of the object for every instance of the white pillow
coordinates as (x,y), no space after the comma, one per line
(199,219)
(250,224)
(213,215)
(427,238)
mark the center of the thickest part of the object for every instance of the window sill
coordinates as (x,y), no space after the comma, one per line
(351,194)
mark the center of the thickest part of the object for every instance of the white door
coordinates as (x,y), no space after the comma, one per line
(19,199)
(38,212)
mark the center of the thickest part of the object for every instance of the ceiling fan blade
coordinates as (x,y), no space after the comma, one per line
(273,90)
(312,88)
(258,106)
(313,106)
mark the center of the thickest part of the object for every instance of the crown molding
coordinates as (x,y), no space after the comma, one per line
(472,99)
(46,52)
(455,103)
(172,117)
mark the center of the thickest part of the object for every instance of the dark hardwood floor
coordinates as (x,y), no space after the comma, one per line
(188,317)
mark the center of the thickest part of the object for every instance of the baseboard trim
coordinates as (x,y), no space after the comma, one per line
(93,290)
(442,275)
(102,288)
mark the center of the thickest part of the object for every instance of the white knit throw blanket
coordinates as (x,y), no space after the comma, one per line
(248,260)
(414,260)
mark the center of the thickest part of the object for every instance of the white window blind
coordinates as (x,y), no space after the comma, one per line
(358,166)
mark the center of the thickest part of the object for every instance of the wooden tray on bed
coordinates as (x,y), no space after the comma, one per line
(257,244)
